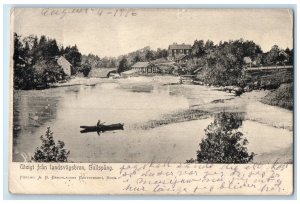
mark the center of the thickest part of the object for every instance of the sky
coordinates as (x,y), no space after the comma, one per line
(114,32)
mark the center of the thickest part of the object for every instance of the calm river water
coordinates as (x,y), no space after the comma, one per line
(131,101)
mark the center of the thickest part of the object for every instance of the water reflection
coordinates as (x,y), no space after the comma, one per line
(32,110)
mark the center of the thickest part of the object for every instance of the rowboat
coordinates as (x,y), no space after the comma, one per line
(102,128)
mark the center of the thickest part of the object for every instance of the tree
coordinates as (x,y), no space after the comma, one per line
(250,49)
(271,57)
(149,55)
(224,143)
(52,47)
(123,65)
(43,41)
(47,71)
(209,46)
(93,60)
(112,63)
(86,68)
(23,71)
(290,56)
(161,53)
(198,48)
(18,52)
(74,57)
(49,151)
(137,58)
(223,64)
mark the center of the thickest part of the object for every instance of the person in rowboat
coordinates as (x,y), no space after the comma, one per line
(99,123)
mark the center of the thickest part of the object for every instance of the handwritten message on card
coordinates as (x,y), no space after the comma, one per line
(153,178)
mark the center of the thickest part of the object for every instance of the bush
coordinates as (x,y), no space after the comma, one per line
(49,151)
(224,144)
(86,68)
(282,97)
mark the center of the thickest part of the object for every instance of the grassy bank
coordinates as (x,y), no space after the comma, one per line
(177,117)
(282,97)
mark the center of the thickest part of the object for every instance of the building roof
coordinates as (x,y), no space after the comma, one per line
(64,61)
(140,64)
(64,64)
(131,71)
(247,60)
(167,63)
(166,68)
(183,46)
(160,60)
(283,53)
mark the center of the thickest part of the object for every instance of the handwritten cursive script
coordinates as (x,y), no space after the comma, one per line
(202,178)
(62,13)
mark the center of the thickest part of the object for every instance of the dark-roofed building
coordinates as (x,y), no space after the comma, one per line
(179,49)
(145,67)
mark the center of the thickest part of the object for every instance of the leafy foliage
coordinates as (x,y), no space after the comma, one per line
(23,72)
(223,64)
(123,65)
(49,151)
(93,60)
(224,143)
(35,64)
(282,97)
(74,57)
(47,71)
(150,55)
(86,68)
(161,53)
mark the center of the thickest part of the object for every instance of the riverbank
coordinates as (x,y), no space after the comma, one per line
(212,101)
(281,97)
(80,81)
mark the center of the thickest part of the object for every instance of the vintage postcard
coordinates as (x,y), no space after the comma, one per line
(151,101)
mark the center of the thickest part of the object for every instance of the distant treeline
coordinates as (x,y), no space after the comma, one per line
(220,64)
(124,62)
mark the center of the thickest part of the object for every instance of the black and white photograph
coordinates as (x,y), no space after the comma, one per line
(128,85)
